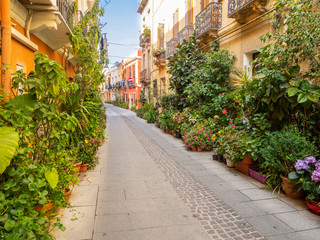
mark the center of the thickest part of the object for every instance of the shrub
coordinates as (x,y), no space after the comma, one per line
(279,151)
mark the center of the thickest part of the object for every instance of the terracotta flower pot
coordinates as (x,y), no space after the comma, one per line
(199,149)
(194,148)
(47,209)
(314,206)
(77,167)
(67,195)
(291,188)
(244,165)
(84,167)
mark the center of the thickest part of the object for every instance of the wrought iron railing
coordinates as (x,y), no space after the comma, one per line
(145,76)
(132,83)
(185,33)
(236,5)
(209,19)
(66,11)
(171,47)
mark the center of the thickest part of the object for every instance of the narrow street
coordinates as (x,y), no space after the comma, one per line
(148,187)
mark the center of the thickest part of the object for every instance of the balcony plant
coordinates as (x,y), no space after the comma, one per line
(307,174)
(157,52)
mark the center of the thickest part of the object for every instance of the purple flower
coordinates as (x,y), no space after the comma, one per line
(316,175)
(317,165)
(310,159)
(301,164)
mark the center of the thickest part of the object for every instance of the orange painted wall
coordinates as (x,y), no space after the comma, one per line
(23,56)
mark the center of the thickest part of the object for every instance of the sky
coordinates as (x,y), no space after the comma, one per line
(122,27)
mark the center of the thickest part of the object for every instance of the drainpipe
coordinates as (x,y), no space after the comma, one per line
(6,49)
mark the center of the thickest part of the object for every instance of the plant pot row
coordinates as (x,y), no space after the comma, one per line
(80,167)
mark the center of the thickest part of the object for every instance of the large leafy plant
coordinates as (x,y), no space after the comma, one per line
(8,143)
(285,87)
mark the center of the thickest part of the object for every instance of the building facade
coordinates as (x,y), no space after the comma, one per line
(130,83)
(234,24)
(36,26)
(110,88)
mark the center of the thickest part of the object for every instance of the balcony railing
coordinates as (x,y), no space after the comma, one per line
(132,82)
(145,39)
(209,19)
(145,76)
(185,33)
(66,11)
(171,47)
(243,7)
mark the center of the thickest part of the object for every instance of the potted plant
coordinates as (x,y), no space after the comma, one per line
(279,153)
(307,174)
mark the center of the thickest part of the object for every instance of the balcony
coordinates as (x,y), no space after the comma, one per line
(171,47)
(132,82)
(208,22)
(241,9)
(66,11)
(185,33)
(159,56)
(145,38)
(51,21)
(145,77)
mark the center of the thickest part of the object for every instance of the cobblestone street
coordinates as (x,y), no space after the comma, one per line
(148,187)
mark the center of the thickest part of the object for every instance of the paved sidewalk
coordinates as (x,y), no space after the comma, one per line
(147,186)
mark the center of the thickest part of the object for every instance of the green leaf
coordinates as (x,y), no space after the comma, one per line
(292,91)
(260,76)
(21,101)
(9,225)
(294,71)
(313,98)
(4,217)
(9,139)
(303,97)
(52,177)
(293,176)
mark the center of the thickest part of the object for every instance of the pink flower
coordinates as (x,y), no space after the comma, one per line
(181,99)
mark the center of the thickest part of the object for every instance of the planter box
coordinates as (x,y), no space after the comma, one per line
(256,175)
(244,165)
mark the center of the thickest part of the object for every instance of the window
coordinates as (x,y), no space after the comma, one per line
(133,71)
(161,35)
(20,87)
(248,58)
(189,13)
(175,23)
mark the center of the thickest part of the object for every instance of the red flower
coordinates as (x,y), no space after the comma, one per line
(229,121)
(217,133)
(224,111)
(221,94)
